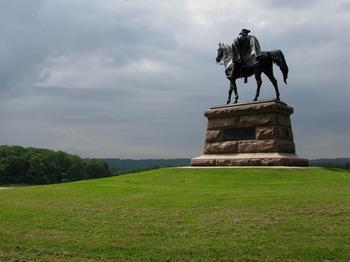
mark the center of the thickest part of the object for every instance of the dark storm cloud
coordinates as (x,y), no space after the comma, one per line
(132,78)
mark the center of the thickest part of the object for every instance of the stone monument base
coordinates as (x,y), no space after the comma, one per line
(249,159)
(250,134)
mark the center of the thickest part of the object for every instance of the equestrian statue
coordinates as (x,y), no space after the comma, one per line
(244,58)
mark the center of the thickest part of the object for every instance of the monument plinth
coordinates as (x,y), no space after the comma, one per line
(249,134)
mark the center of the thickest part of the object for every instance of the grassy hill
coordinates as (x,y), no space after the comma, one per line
(182,214)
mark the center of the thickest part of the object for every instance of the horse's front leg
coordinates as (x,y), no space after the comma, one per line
(229,94)
(233,85)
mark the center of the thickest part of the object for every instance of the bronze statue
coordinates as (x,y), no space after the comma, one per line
(244,58)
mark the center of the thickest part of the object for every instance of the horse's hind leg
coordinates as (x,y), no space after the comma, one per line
(258,83)
(269,74)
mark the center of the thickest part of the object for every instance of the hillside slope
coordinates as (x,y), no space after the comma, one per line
(182,214)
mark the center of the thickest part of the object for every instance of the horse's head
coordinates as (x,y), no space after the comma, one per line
(224,53)
(220,52)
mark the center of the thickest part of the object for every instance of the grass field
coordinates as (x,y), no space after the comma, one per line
(182,214)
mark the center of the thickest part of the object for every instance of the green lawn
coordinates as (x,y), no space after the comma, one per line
(182,214)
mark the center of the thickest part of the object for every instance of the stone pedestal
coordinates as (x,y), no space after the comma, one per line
(250,134)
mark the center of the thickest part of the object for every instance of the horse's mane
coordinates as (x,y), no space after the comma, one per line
(228,48)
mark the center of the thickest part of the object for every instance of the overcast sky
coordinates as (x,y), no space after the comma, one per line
(132,78)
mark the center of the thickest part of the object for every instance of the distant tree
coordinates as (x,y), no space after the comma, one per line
(97,168)
(115,171)
(77,169)
(15,167)
(20,165)
(36,172)
(347,165)
(3,176)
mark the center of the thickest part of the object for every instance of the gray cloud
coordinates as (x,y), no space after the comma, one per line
(297,4)
(132,79)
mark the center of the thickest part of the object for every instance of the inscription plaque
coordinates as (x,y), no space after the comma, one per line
(234,134)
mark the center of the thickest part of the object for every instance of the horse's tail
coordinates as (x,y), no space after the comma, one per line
(278,59)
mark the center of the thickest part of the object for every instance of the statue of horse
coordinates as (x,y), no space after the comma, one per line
(265,65)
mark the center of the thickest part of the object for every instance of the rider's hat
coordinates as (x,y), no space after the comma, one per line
(244,32)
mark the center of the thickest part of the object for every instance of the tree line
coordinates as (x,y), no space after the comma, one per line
(127,165)
(35,166)
(331,162)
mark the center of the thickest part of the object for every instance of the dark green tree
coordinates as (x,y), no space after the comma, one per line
(97,168)
(20,165)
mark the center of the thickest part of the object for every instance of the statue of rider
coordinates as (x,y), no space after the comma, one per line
(245,50)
